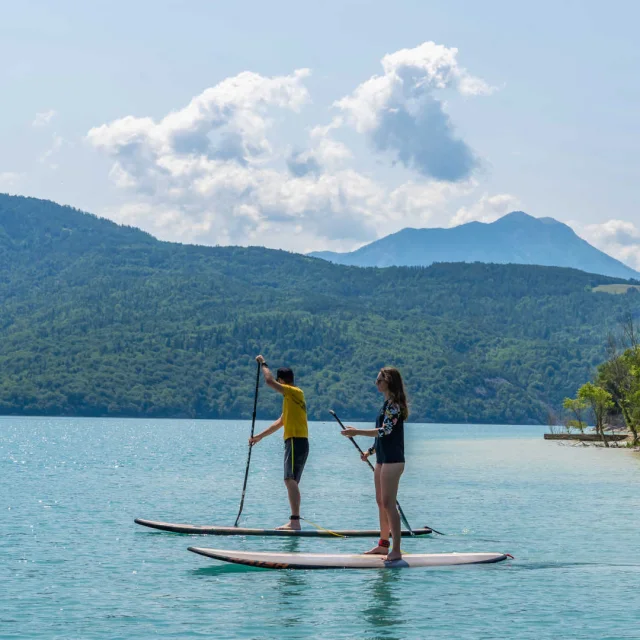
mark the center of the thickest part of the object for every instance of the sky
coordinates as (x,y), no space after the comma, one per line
(310,126)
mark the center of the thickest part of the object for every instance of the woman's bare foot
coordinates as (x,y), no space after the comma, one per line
(292,525)
(379,551)
(393,556)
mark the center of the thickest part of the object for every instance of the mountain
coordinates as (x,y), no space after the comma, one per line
(98,319)
(516,238)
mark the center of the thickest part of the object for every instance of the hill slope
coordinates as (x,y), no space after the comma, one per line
(99,319)
(517,238)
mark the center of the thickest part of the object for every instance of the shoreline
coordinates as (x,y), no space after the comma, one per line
(618,438)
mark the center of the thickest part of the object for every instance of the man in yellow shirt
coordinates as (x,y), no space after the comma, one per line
(296,434)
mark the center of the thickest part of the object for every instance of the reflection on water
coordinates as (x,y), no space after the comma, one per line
(383,611)
(291,545)
(222,569)
(291,586)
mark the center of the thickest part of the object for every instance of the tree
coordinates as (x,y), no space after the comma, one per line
(577,406)
(633,397)
(600,401)
(620,376)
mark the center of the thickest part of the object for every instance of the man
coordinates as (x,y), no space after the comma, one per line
(296,435)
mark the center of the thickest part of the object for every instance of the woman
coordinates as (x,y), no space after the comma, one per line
(389,448)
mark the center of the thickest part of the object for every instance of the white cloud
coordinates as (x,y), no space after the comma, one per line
(401,115)
(261,206)
(226,121)
(212,172)
(487,209)
(408,74)
(43,118)
(618,238)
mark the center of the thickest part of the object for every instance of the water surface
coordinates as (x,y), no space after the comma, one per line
(73,564)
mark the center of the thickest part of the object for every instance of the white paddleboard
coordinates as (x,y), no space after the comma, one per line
(211,530)
(345,561)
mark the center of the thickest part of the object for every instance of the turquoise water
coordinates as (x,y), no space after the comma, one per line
(74,565)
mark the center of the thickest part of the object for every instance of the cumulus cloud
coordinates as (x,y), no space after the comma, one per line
(487,209)
(226,124)
(244,205)
(301,163)
(213,172)
(43,118)
(402,114)
(619,238)
(324,154)
(227,121)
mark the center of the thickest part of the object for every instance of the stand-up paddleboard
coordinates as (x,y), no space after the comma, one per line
(345,561)
(241,531)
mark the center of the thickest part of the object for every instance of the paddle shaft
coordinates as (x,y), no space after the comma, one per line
(357,446)
(353,442)
(253,426)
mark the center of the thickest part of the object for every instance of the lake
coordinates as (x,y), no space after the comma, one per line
(74,565)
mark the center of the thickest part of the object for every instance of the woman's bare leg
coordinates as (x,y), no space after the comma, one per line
(389,481)
(382,513)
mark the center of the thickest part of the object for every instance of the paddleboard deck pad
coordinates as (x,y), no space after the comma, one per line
(241,531)
(345,561)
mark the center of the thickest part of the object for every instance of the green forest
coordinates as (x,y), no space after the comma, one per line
(98,319)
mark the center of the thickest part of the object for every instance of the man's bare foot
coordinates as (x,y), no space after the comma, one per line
(378,551)
(393,556)
(292,525)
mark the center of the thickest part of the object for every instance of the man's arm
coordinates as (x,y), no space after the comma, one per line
(268,376)
(267,432)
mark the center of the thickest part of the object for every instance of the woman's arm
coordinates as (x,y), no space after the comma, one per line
(350,432)
(391,416)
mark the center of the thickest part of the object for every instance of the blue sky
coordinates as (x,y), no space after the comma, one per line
(313,126)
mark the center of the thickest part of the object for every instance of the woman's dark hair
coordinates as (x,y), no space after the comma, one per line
(396,389)
(285,374)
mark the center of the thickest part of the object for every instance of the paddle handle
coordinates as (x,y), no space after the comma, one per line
(357,446)
(253,426)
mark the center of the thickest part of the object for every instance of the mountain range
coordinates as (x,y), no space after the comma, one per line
(516,238)
(99,319)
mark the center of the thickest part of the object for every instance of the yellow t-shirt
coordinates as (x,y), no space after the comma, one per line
(294,413)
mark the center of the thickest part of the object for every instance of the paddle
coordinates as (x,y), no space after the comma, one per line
(253,426)
(400,511)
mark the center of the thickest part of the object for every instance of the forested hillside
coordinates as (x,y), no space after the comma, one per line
(98,319)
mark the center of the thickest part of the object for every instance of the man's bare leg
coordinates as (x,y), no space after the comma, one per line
(294,502)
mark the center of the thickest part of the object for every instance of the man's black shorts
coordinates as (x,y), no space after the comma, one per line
(296,451)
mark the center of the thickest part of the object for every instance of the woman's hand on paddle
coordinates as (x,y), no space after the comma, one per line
(364,456)
(254,440)
(349,432)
